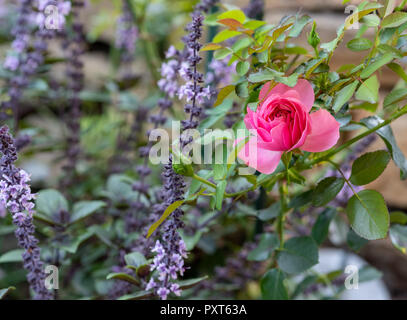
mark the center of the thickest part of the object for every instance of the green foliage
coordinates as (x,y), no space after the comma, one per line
(298,255)
(368,215)
(268,243)
(272,285)
(369,167)
(326,191)
(321,227)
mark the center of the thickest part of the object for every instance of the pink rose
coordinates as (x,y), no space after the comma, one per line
(283,122)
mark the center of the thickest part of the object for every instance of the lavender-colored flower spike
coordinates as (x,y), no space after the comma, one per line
(193,90)
(74,46)
(206,5)
(171,251)
(23,60)
(126,34)
(255,9)
(16,196)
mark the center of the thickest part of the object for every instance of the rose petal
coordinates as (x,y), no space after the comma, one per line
(264,91)
(302,91)
(324,132)
(263,160)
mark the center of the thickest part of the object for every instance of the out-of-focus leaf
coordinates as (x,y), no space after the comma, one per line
(233,14)
(394,20)
(299,25)
(298,255)
(124,277)
(223,94)
(359,44)
(50,202)
(12,256)
(369,90)
(268,243)
(84,209)
(220,191)
(5,292)
(321,227)
(272,285)
(211,47)
(354,241)
(386,134)
(395,96)
(270,213)
(398,217)
(242,67)
(225,35)
(398,236)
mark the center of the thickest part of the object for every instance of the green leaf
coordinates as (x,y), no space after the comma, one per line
(321,226)
(394,20)
(268,243)
(386,134)
(124,277)
(398,217)
(73,245)
(398,236)
(368,215)
(395,96)
(5,292)
(189,283)
(220,191)
(211,47)
(354,241)
(344,95)
(377,64)
(298,255)
(371,20)
(326,191)
(369,167)
(359,44)
(272,285)
(242,67)
(369,90)
(242,89)
(12,256)
(135,259)
(270,213)
(222,53)
(299,25)
(84,209)
(225,35)
(50,202)
(241,44)
(368,273)
(233,14)
(301,200)
(137,296)
(170,209)
(396,68)
(261,76)
(223,94)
